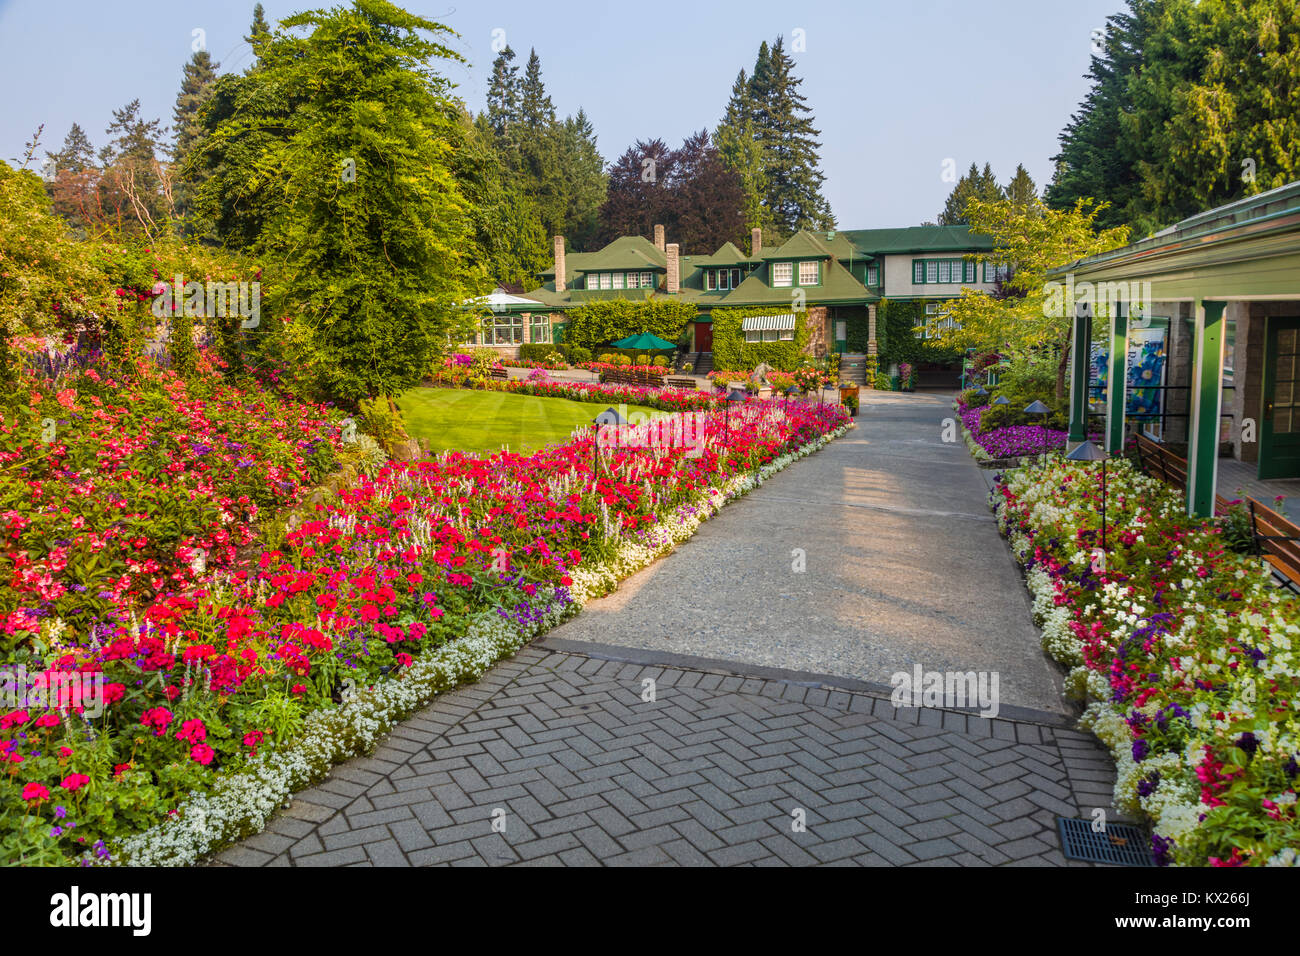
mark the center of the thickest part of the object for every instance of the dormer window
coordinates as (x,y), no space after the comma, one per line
(873,274)
(722,280)
(808,273)
(620,280)
(782,274)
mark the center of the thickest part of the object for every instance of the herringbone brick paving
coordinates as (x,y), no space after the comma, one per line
(562,750)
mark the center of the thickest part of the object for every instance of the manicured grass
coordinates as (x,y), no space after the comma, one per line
(479,421)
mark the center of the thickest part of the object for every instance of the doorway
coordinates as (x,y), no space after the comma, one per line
(1279,432)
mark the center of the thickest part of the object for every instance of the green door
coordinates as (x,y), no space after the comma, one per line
(1279,432)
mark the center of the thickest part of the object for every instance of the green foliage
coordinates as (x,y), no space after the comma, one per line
(595,324)
(1192,105)
(973,185)
(896,322)
(347,135)
(883,381)
(731,351)
(577,355)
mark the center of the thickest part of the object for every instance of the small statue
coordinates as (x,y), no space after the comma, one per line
(760,374)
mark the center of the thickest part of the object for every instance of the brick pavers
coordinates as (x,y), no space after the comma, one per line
(559,749)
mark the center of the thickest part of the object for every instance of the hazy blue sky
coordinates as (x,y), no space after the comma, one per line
(896,87)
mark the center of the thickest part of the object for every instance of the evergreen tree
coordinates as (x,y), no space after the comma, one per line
(1097,159)
(976,184)
(504,94)
(132,187)
(197,78)
(535,109)
(367,218)
(1021,190)
(739,149)
(634,203)
(258,34)
(784,130)
(77,155)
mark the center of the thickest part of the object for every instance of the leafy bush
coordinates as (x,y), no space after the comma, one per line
(687,368)
(622,360)
(596,323)
(660,361)
(578,354)
(605,358)
(883,382)
(642,359)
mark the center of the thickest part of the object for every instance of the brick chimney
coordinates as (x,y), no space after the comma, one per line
(674,270)
(755,242)
(659,238)
(559,263)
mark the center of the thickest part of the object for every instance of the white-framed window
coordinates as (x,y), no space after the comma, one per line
(606,280)
(994,272)
(753,336)
(503,330)
(710,280)
(647,280)
(540,329)
(618,280)
(808,272)
(873,274)
(932,270)
(782,274)
(737,277)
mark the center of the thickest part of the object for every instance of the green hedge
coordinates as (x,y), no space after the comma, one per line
(896,338)
(731,351)
(539,351)
(596,324)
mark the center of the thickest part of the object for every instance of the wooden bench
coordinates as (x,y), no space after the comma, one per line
(627,377)
(681,383)
(1276,537)
(1277,541)
(499,373)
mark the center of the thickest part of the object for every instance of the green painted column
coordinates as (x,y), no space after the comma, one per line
(1080,359)
(1207,398)
(1117,380)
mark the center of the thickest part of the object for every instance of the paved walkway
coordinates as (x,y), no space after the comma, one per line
(562,748)
(904,565)
(747,761)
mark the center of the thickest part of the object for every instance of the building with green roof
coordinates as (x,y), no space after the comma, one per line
(835,278)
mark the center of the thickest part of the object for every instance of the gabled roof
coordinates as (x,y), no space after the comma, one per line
(917,239)
(727,255)
(838,285)
(625,252)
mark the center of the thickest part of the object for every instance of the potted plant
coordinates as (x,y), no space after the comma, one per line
(906,377)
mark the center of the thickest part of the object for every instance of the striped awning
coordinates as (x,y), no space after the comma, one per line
(768,323)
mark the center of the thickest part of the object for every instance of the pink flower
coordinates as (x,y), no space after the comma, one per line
(158,718)
(35,791)
(47,720)
(74,781)
(202,753)
(193,731)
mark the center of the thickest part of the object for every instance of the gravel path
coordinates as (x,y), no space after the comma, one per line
(904,565)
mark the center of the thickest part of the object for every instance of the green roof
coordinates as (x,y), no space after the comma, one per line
(917,239)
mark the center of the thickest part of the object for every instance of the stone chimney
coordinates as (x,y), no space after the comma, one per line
(755,242)
(674,270)
(559,263)
(659,238)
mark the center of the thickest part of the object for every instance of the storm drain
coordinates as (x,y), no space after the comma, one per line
(1120,844)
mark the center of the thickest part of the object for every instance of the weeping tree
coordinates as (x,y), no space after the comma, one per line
(355,193)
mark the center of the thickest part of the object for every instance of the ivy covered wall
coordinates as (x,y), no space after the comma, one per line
(731,351)
(896,339)
(598,323)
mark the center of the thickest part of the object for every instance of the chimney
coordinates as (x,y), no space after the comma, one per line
(659,238)
(755,242)
(674,270)
(559,263)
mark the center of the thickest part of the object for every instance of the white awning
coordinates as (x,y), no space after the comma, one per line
(768,323)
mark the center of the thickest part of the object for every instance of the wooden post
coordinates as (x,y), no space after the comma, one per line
(1207,399)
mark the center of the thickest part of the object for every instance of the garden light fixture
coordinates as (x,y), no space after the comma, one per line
(1038,408)
(1087,451)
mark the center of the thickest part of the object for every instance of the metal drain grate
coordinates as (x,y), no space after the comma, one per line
(1121,844)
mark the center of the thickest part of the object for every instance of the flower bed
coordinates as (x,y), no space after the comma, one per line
(1013,442)
(552,366)
(225,694)
(1186,655)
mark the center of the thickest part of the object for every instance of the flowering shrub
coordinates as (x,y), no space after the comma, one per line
(205,678)
(554,364)
(1013,441)
(1187,656)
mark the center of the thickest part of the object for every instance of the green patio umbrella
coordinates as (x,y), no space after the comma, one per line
(646,341)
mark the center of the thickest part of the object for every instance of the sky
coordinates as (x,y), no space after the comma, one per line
(902,92)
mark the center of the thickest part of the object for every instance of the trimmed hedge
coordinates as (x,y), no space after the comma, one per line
(730,350)
(896,338)
(596,324)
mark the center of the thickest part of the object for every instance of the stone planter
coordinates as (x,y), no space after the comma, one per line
(765,392)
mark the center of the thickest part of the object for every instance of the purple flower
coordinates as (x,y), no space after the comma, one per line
(1140,750)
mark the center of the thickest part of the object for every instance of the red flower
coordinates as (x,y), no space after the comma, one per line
(74,781)
(35,791)
(202,753)
(193,731)
(157,718)
(47,720)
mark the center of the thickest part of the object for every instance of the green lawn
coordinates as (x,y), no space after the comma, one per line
(478,421)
